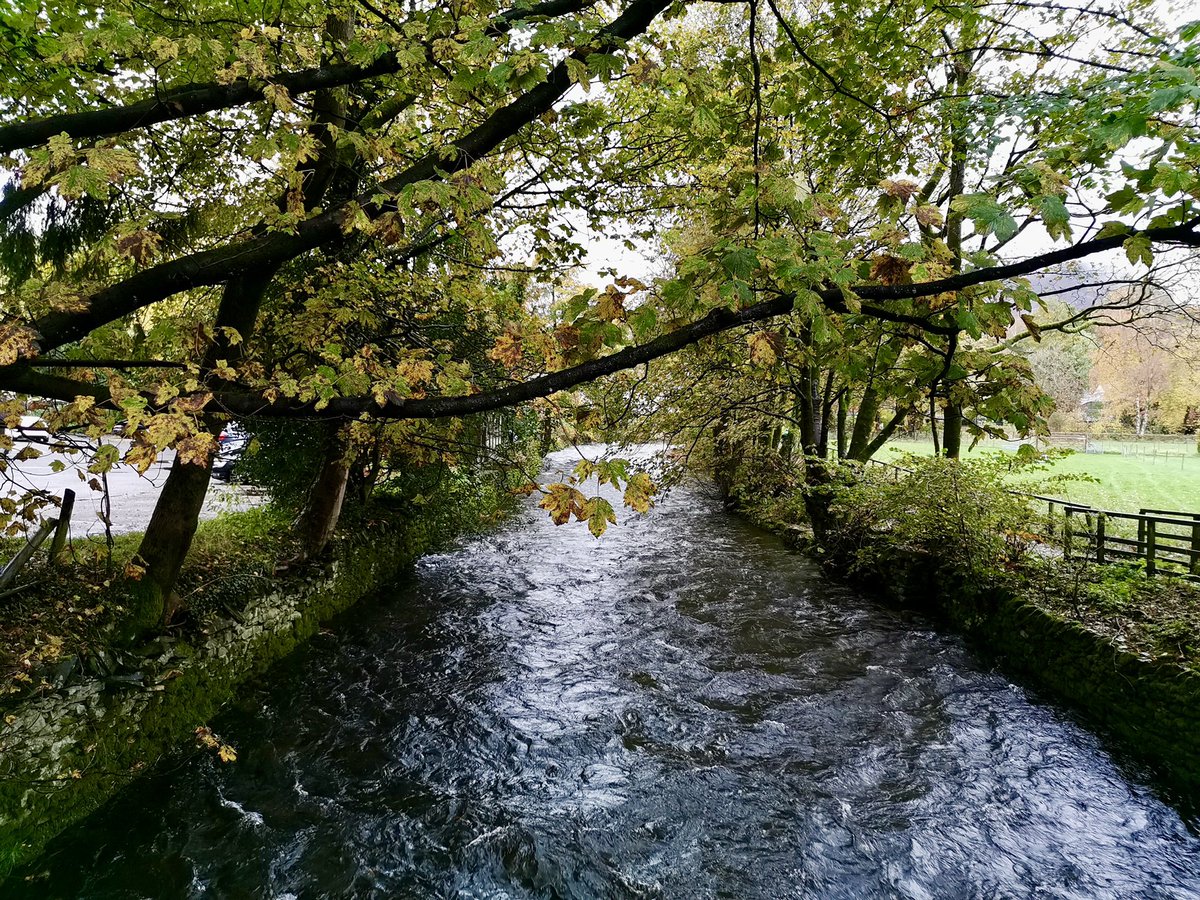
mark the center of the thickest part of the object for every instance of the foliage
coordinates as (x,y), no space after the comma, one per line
(1154,617)
(353,214)
(960,514)
(282,459)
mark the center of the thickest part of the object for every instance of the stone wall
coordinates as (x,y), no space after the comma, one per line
(63,755)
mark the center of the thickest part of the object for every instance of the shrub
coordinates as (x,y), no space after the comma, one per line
(960,513)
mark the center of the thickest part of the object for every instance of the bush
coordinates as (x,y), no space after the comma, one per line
(960,513)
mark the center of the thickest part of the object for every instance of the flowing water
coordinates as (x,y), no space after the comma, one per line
(683,708)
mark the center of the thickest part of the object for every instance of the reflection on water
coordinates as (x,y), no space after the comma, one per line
(683,708)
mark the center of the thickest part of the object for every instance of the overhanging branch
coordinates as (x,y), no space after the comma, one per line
(216,266)
(198,99)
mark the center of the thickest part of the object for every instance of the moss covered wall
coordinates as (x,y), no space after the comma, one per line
(63,755)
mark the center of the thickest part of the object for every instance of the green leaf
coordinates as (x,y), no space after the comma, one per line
(1126,200)
(740,263)
(1112,229)
(988,215)
(577,71)
(1138,249)
(643,321)
(705,121)
(1055,217)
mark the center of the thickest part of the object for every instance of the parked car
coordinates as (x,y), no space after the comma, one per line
(232,442)
(31,428)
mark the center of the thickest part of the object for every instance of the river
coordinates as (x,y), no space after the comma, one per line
(683,708)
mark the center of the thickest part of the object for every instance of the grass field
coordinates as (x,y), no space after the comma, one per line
(1144,476)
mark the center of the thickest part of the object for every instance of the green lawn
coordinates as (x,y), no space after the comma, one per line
(1152,476)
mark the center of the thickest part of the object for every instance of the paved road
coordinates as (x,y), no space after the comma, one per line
(132,495)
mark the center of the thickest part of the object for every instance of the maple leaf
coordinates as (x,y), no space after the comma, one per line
(507,350)
(193,403)
(142,455)
(639,492)
(929,216)
(599,514)
(900,188)
(567,337)
(611,305)
(563,501)
(16,342)
(141,246)
(764,348)
(1035,330)
(196,449)
(888,269)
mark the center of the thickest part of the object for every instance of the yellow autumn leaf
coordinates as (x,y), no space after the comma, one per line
(141,455)
(562,501)
(639,492)
(763,348)
(599,514)
(507,350)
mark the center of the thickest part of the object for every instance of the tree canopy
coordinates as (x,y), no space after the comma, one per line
(364,209)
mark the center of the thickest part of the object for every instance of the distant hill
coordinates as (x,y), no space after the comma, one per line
(1078,287)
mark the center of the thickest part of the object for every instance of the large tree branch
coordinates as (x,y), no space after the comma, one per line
(19,378)
(1184,234)
(212,267)
(198,99)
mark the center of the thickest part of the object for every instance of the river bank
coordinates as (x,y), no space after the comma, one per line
(68,748)
(1117,645)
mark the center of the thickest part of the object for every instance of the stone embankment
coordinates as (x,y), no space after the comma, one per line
(63,755)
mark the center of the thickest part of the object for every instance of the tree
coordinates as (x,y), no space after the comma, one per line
(191,183)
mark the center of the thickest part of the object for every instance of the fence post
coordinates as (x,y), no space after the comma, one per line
(1195,566)
(18,562)
(1141,531)
(64,522)
(1067,532)
(1100,518)
(1150,535)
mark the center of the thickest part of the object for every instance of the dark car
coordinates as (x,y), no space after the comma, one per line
(232,441)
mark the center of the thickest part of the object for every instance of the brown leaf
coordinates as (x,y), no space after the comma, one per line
(900,188)
(141,246)
(888,269)
(16,342)
(193,403)
(196,449)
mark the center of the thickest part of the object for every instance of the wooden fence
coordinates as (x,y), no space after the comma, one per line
(1167,541)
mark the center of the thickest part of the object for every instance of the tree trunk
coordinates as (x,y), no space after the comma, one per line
(933,424)
(320,516)
(864,423)
(172,526)
(165,545)
(842,411)
(827,401)
(952,431)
